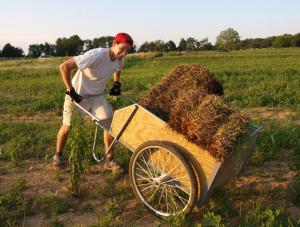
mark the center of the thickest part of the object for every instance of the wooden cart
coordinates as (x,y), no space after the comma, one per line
(168,173)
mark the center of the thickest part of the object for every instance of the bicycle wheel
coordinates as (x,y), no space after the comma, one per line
(162,179)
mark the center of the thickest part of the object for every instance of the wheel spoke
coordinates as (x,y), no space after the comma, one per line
(146,188)
(181,188)
(162,179)
(180,198)
(153,194)
(150,172)
(147,193)
(141,168)
(144,178)
(164,168)
(172,170)
(158,164)
(150,162)
(174,179)
(144,184)
(167,201)
(173,200)
(161,195)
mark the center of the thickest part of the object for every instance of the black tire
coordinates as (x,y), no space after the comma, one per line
(148,173)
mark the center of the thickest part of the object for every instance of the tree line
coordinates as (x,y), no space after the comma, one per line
(228,39)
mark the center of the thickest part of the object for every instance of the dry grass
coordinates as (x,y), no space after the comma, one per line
(181,79)
(187,98)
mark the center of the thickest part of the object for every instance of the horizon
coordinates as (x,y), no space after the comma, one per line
(147,22)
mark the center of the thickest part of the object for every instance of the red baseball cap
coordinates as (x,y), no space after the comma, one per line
(123,38)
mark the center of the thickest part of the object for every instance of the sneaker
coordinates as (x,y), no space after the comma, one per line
(113,166)
(57,161)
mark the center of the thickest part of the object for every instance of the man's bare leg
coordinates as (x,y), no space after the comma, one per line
(107,138)
(109,162)
(62,136)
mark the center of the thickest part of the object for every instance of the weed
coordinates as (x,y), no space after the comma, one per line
(260,216)
(77,155)
(294,190)
(13,205)
(112,211)
(179,219)
(275,138)
(212,219)
(86,208)
(52,205)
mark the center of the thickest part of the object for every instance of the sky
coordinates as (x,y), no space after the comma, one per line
(32,21)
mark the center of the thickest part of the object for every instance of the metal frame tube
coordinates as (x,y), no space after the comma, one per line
(97,121)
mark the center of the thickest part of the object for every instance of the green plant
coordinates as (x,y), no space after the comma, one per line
(212,219)
(77,155)
(179,219)
(266,216)
(258,216)
(274,139)
(294,190)
(3,171)
(112,211)
(52,205)
(13,204)
(86,208)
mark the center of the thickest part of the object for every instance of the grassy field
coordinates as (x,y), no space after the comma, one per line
(263,83)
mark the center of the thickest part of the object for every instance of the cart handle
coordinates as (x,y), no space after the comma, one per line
(107,92)
(97,121)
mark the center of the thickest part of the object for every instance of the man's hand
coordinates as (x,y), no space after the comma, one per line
(116,89)
(73,94)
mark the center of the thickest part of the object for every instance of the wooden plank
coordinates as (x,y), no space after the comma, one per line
(145,126)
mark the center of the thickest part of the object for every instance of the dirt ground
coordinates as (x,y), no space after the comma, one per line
(269,181)
(40,177)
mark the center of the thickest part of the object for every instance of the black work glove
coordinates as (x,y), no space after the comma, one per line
(116,89)
(73,94)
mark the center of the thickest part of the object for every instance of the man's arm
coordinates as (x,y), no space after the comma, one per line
(65,71)
(117,75)
(116,88)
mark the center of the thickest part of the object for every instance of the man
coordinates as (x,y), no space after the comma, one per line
(94,70)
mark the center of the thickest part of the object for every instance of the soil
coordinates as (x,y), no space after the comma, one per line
(269,182)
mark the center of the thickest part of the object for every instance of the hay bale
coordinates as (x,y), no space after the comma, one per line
(199,117)
(186,99)
(161,98)
(227,135)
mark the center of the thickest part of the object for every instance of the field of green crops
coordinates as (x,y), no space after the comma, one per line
(264,83)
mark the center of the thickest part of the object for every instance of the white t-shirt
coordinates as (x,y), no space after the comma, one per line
(95,68)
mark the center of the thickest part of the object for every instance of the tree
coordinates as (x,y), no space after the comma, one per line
(267,42)
(170,46)
(204,45)
(283,41)
(192,44)
(144,47)
(69,46)
(34,50)
(103,41)
(228,39)
(132,49)
(10,51)
(88,45)
(158,45)
(296,40)
(48,49)
(182,45)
